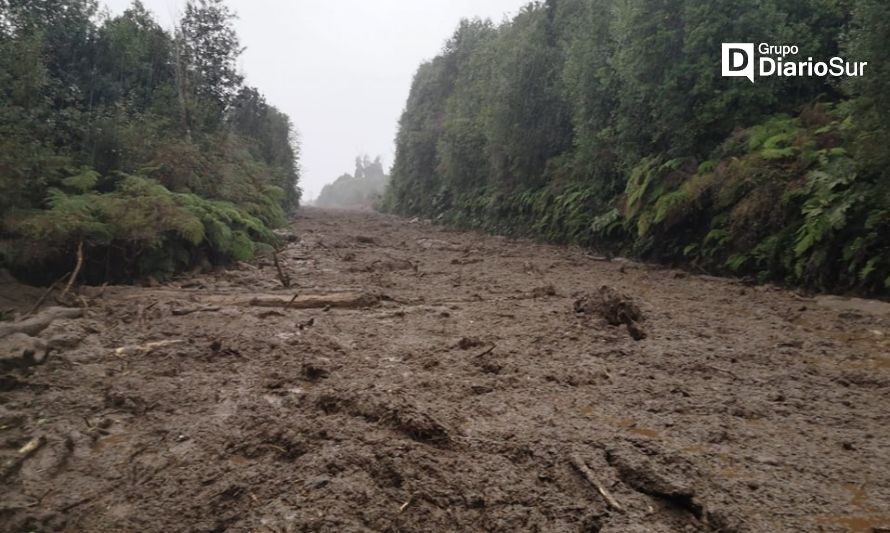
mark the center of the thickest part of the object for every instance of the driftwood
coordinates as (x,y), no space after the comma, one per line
(346,300)
(34,325)
(585,471)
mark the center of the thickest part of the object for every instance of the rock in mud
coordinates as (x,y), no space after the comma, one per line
(615,307)
(20,350)
(544,292)
(316,369)
(392,265)
(36,324)
(465,343)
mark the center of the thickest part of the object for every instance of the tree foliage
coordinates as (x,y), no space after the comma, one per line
(144,145)
(607,123)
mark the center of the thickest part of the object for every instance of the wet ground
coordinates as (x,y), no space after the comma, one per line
(415,378)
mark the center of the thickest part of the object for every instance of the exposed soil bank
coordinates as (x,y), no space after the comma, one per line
(431,380)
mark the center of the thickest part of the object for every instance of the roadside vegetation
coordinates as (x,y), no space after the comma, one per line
(607,124)
(139,150)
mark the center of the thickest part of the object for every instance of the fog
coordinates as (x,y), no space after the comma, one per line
(341,69)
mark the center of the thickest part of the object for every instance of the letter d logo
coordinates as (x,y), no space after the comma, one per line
(738,60)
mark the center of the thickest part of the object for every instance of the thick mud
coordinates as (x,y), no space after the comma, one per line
(415,378)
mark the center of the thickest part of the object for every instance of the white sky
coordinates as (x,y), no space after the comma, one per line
(341,69)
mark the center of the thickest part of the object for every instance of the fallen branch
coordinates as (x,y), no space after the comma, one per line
(77,268)
(283,277)
(313,301)
(582,467)
(488,350)
(406,504)
(189,310)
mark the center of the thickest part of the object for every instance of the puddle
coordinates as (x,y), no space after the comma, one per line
(857,523)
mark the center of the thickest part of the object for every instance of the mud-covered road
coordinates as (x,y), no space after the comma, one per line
(415,378)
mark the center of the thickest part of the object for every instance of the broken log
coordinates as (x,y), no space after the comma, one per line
(344,300)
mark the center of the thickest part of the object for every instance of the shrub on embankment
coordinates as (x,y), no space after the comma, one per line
(142,148)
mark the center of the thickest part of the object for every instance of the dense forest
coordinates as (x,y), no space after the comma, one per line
(607,123)
(362,188)
(130,150)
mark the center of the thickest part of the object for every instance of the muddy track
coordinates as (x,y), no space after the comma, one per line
(451,381)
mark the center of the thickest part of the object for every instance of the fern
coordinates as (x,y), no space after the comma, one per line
(85,181)
(607,223)
(737,262)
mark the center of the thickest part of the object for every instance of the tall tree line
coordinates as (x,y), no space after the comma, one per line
(362,188)
(608,123)
(141,146)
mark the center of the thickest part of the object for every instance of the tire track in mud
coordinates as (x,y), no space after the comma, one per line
(458,391)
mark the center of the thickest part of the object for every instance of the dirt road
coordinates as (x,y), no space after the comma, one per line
(434,380)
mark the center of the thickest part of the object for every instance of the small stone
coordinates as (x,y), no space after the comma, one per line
(317,482)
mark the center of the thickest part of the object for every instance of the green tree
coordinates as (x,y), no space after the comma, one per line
(210,49)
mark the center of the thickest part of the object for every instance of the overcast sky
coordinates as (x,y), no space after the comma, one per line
(340,68)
